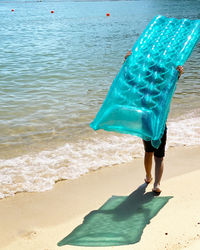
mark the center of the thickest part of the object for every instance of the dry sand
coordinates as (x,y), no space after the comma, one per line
(37,221)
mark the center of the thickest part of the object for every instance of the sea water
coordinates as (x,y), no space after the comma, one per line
(55,71)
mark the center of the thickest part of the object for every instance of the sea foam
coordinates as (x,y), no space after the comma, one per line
(39,172)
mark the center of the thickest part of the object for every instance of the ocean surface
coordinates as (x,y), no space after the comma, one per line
(55,71)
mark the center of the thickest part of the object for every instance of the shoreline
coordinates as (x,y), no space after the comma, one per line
(40,220)
(39,170)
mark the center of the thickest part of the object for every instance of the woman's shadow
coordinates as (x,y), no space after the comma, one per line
(120,221)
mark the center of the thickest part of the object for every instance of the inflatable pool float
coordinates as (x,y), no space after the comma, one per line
(139,98)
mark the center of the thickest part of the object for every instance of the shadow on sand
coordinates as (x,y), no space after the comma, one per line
(120,221)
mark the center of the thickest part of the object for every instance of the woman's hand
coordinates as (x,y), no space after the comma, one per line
(180,70)
(127,54)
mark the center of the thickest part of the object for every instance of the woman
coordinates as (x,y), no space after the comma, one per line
(158,154)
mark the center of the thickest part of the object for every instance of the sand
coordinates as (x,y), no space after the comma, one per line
(39,220)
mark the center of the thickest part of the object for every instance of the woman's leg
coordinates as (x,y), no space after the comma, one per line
(159,162)
(148,165)
(159,166)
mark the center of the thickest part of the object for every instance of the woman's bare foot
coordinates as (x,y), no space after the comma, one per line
(156,189)
(148,179)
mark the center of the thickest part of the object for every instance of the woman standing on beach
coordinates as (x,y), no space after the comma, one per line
(158,153)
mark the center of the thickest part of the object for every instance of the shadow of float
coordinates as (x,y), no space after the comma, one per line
(120,221)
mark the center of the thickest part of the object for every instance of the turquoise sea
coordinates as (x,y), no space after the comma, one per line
(55,71)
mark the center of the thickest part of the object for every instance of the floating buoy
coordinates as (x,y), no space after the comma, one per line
(12,10)
(52,11)
(107,14)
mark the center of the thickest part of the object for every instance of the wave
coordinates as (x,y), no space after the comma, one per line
(38,172)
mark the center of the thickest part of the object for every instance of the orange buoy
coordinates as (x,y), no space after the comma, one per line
(107,14)
(52,11)
(12,10)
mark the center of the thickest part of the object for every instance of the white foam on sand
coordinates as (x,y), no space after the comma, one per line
(185,130)
(39,172)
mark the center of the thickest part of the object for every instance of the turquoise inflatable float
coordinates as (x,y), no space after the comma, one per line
(139,98)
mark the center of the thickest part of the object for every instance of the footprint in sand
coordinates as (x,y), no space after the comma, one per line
(29,234)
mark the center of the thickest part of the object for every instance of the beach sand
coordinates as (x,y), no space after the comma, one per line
(37,221)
